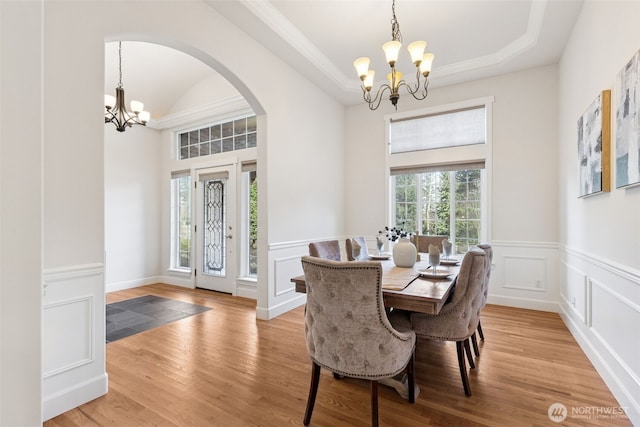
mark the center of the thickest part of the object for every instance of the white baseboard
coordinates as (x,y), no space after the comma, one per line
(74,396)
(119,286)
(269,313)
(531,304)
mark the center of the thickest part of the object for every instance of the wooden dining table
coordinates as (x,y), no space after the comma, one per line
(411,288)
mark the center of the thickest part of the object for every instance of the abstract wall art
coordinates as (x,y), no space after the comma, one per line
(594,142)
(628,124)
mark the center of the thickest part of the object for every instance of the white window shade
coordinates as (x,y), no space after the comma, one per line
(213,176)
(450,129)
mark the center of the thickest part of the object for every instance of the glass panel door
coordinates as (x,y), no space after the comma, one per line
(216,260)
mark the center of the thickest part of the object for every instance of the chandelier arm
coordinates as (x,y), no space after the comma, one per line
(418,92)
(366,94)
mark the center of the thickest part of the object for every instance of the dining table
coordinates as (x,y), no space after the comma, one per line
(417,288)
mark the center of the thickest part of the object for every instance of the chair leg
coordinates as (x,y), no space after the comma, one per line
(463,368)
(480,331)
(474,341)
(467,348)
(374,403)
(313,391)
(412,381)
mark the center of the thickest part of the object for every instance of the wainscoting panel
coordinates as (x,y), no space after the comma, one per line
(615,322)
(524,274)
(284,269)
(73,338)
(527,273)
(74,348)
(608,331)
(573,291)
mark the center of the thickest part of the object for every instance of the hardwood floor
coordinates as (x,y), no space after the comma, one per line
(225,368)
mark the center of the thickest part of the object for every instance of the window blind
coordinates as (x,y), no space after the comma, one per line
(180,174)
(450,129)
(213,176)
(249,166)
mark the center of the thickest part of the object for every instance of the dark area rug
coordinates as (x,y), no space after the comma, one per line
(129,317)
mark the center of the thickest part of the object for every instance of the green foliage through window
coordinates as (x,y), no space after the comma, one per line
(441,203)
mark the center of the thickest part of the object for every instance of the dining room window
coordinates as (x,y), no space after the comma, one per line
(181,220)
(439,161)
(446,202)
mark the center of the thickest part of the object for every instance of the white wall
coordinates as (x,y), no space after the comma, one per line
(599,235)
(132,185)
(21,144)
(210,90)
(523,222)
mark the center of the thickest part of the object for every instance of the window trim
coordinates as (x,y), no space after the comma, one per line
(432,158)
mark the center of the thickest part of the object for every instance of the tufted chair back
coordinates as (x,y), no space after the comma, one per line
(329,249)
(460,317)
(422,242)
(357,249)
(486,247)
(347,329)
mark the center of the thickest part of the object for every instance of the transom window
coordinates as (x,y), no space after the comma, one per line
(218,138)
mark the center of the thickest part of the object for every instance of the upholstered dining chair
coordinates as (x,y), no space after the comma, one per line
(328,249)
(486,247)
(423,241)
(347,330)
(458,318)
(356,248)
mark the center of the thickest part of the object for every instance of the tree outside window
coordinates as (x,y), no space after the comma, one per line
(442,203)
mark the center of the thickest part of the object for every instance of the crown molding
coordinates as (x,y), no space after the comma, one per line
(517,47)
(222,110)
(280,25)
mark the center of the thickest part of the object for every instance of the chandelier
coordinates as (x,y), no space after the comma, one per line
(421,60)
(116,110)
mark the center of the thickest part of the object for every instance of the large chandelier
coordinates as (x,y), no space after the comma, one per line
(116,110)
(421,60)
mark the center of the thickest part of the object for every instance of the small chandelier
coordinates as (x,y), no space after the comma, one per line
(421,60)
(116,111)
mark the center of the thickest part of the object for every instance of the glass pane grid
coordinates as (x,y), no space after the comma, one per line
(229,136)
(442,203)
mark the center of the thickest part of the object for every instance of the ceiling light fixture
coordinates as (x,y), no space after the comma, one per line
(421,60)
(116,111)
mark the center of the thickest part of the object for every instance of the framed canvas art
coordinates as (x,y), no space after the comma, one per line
(594,142)
(628,124)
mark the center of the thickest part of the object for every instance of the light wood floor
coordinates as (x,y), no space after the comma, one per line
(225,368)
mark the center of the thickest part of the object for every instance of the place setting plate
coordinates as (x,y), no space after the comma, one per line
(452,262)
(434,274)
(379,256)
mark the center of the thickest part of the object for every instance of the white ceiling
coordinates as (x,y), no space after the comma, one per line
(320,38)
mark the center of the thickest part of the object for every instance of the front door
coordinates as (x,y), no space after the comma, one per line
(215,229)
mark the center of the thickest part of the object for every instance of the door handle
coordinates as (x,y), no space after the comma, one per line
(228,236)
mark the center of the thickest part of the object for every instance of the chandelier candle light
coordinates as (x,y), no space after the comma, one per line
(116,110)
(421,60)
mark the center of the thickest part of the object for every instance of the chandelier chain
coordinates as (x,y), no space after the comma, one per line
(120,63)
(395,25)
